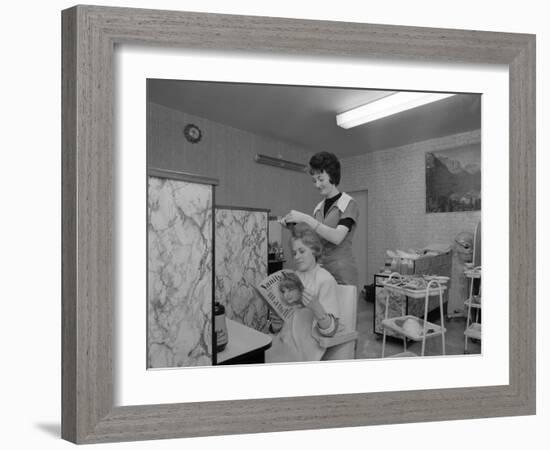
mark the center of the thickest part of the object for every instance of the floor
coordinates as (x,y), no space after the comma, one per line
(369,344)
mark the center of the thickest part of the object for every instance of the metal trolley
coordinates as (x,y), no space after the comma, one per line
(428,329)
(473,304)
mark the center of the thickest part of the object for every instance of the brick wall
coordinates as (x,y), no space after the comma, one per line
(396,185)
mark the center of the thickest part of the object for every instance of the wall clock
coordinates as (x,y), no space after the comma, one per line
(192,133)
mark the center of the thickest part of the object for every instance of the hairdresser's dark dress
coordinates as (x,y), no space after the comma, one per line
(338,259)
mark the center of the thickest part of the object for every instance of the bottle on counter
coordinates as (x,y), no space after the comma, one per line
(407,266)
(220,327)
(396,265)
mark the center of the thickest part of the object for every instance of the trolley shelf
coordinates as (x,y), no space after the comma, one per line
(473,331)
(404,355)
(472,273)
(396,324)
(473,303)
(414,293)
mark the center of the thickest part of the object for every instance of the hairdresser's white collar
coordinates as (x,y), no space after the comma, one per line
(341,203)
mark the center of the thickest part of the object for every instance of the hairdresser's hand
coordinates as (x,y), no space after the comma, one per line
(297,217)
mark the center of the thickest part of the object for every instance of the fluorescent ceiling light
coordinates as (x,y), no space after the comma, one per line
(386,106)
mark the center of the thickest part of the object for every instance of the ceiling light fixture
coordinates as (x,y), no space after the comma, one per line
(281,163)
(386,106)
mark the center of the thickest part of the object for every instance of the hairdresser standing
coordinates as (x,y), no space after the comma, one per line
(334,219)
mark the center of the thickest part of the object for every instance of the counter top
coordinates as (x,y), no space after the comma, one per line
(242,340)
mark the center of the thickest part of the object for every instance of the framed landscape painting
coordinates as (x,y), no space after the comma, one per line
(453,180)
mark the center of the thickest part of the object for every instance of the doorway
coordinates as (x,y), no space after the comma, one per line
(360,250)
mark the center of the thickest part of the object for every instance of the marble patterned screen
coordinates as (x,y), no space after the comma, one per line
(179,291)
(241,263)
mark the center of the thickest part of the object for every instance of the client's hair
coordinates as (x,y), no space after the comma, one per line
(309,237)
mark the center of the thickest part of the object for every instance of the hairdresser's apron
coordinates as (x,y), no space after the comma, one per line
(338,259)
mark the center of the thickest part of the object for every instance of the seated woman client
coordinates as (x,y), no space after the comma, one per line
(312,293)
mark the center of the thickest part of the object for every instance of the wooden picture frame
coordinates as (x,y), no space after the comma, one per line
(89,37)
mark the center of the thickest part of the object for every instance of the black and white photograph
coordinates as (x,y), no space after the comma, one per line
(290,224)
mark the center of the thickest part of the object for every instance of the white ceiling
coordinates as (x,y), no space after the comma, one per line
(306,116)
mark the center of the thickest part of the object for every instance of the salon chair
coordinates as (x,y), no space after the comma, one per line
(342,345)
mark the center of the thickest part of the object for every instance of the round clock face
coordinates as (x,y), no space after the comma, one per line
(192,133)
